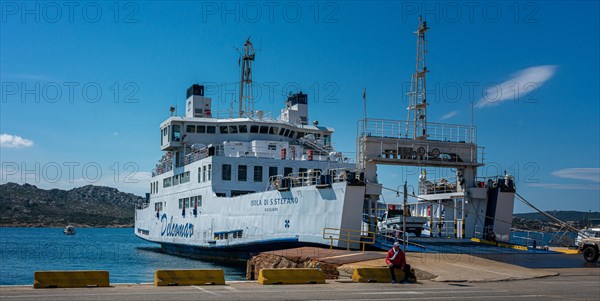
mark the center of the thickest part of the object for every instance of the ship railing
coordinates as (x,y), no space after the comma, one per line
(439,185)
(166,164)
(311,177)
(162,167)
(415,150)
(441,228)
(143,205)
(386,128)
(300,154)
(343,174)
(484,232)
(526,237)
(391,236)
(348,236)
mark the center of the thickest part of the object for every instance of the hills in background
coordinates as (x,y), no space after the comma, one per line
(537,221)
(88,206)
(99,206)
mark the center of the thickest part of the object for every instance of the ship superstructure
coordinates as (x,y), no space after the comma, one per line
(248,181)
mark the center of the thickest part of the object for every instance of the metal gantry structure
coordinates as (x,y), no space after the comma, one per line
(246,100)
(417,108)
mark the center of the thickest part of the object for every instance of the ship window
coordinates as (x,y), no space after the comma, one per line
(281,131)
(292,134)
(302,171)
(186,202)
(190,128)
(235,234)
(258,174)
(199,200)
(272,171)
(176,133)
(240,233)
(300,135)
(287,171)
(175,180)
(226,235)
(180,203)
(264,129)
(242,173)
(224,129)
(204,173)
(167,182)
(271,147)
(226,172)
(185,177)
(287,133)
(201,129)
(243,128)
(233,129)
(210,129)
(254,129)
(273,130)
(209,171)
(200,175)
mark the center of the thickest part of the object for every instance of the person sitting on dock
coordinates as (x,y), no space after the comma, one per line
(395,259)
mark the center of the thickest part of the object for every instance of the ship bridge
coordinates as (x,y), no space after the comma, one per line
(391,142)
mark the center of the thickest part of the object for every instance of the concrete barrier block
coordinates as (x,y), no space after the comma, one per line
(189,277)
(291,276)
(381,275)
(70,279)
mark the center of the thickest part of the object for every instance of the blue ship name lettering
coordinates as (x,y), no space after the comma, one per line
(171,229)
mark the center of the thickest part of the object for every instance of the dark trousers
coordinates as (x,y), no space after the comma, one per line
(406,271)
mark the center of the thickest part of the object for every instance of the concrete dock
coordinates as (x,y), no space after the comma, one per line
(570,284)
(440,276)
(339,264)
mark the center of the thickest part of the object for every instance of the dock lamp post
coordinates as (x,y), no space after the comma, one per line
(405,203)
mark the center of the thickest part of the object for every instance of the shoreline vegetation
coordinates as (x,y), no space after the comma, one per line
(84,207)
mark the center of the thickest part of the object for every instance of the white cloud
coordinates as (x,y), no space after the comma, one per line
(12,141)
(587,174)
(449,115)
(519,85)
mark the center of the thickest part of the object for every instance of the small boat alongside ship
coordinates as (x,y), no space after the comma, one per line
(69,230)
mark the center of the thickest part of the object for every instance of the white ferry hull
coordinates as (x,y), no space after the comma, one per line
(264,220)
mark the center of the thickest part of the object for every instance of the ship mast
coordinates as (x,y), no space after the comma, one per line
(246,101)
(417,108)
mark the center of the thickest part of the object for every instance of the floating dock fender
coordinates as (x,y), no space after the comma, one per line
(189,277)
(70,279)
(291,276)
(381,275)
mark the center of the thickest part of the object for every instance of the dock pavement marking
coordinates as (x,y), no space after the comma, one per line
(468,267)
(207,291)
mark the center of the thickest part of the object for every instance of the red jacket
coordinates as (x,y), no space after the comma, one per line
(399,260)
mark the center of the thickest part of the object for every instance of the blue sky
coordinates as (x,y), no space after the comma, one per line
(85,85)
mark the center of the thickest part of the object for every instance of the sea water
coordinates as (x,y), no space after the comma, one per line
(128,258)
